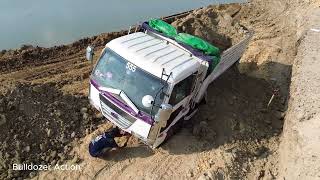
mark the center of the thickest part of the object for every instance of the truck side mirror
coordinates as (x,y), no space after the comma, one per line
(163,113)
(89,53)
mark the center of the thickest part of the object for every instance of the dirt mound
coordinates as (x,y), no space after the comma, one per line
(28,56)
(216,24)
(38,123)
(234,135)
(42,122)
(246,130)
(300,147)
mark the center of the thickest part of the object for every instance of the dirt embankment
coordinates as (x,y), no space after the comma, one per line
(216,24)
(38,124)
(46,118)
(43,104)
(300,146)
(44,92)
(64,65)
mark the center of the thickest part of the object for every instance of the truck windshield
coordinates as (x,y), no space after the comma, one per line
(116,72)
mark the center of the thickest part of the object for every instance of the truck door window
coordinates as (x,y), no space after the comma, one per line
(181,90)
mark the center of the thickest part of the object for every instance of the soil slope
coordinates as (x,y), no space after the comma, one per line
(46,119)
(300,148)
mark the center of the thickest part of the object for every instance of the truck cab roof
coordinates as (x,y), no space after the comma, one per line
(154,53)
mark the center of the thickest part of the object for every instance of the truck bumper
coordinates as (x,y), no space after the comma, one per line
(138,128)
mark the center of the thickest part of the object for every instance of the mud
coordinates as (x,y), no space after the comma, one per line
(300,148)
(29,56)
(216,24)
(238,137)
(41,125)
(44,106)
(45,117)
(246,129)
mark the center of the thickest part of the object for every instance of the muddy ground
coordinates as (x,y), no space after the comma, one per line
(300,147)
(46,117)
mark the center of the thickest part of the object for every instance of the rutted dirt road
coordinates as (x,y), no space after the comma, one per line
(46,119)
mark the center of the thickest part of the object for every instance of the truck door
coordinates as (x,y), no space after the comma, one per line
(179,99)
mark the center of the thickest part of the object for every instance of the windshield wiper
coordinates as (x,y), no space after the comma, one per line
(129,102)
(110,90)
(123,95)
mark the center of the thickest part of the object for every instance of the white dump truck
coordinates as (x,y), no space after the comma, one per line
(146,82)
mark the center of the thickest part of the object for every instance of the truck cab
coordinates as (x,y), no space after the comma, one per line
(139,74)
(145,83)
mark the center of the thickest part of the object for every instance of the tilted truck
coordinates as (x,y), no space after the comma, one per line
(147,83)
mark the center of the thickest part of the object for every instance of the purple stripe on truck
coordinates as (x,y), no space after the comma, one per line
(141,115)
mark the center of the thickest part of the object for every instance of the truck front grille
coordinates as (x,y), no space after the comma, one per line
(121,118)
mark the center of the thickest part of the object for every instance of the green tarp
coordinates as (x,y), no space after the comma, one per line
(215,61)
(187,39)
(163,27)
(198,43)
